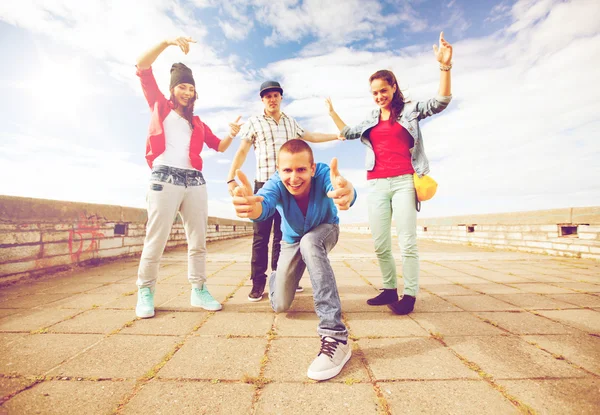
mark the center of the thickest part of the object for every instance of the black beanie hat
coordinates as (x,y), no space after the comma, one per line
(181,74)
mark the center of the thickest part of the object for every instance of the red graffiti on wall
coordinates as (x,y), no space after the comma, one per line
(86,230)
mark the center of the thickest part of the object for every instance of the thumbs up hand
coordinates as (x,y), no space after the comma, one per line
(343,191)
(234,127)
(245,203)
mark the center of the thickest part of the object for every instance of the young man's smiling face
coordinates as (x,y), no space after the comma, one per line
(296,171)
(272,101)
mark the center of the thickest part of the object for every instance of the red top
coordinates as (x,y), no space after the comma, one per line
(161,107)
(391,144)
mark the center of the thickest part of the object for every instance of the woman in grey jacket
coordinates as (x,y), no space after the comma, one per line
(394,152)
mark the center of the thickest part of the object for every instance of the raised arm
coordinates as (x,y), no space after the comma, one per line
(238,161)
(334,116)
(346,132)
(443,54)
(146,59)
(234,129)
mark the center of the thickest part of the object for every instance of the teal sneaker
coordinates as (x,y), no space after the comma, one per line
(145,303)
(200,297)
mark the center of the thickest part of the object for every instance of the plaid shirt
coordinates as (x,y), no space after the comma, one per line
(267,136)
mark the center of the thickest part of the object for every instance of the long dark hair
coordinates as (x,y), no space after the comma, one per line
(188,112)
(398,99)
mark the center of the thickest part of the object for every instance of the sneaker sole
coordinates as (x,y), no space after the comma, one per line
(208,308)
(379,305)
(391,307)
(299,290)
(255,299)
(328,374)
(140,315)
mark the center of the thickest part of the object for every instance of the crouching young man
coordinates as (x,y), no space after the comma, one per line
(306,196)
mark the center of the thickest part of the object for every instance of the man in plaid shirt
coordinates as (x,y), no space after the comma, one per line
(267,133)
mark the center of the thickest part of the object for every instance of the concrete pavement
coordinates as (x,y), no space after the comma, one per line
(492,332)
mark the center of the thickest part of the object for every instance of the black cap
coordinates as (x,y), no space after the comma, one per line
(181,74)
(270,85)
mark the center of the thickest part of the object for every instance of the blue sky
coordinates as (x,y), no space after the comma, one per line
(520,134)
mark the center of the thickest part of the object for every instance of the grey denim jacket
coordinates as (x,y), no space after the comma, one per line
(411,114)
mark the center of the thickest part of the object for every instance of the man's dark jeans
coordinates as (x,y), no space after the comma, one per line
(260,243)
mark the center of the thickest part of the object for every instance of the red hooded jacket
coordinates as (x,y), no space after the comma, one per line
(161,107)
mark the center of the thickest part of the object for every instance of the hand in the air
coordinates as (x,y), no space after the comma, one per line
(343,191)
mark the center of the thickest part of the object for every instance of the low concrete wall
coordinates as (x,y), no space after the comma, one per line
(572,232)
(38,236)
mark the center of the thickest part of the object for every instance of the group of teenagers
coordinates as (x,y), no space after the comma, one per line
(293,197)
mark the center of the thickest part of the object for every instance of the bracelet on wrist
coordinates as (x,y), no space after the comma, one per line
(445,67)
(232,180)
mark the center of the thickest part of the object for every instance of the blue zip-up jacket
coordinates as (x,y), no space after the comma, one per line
(294,225)
(411,114)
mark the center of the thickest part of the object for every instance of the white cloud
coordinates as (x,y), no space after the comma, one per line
(233,31)
(499,11)
(208,153)
(330,23)
(327,21)
(70,171)
(222,208)
(117,32)
(527,13)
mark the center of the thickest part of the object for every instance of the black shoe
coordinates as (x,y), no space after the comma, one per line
(387,296)
(299,289)
(404,306)
(258,289)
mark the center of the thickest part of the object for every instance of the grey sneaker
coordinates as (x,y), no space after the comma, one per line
(145,303)
(200,297)
(331,359)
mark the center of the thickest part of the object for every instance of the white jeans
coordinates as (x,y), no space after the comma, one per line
(395,197)
(164,201)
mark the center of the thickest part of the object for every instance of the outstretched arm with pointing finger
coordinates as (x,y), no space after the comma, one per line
(343,193)
(246,204)
(234,129)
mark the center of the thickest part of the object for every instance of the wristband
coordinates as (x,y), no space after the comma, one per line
(445,67)
(232,180)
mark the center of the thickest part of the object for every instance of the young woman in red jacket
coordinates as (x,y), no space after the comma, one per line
(175,140)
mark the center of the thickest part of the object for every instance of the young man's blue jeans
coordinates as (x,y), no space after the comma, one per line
(311,252)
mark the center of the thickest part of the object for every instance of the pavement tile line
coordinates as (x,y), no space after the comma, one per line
(524,309)
(261,381)
(521,406)
(563,358)
(557,357)
(152,373)
(33,381)
(490,281)
(146,378)
(357,353)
